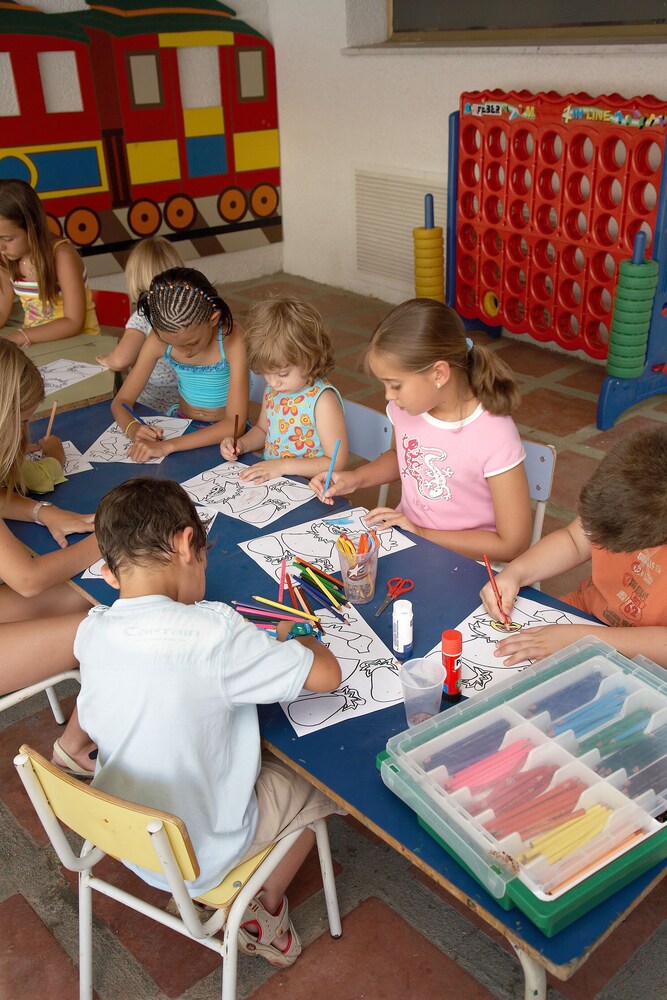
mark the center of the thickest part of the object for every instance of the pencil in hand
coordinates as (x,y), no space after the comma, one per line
(506,621)
(236,432)
(51,418)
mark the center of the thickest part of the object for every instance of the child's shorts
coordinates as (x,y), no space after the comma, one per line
(286,802)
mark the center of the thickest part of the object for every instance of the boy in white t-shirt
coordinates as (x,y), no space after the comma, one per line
(169,689)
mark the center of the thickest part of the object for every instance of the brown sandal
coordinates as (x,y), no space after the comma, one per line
(268,927)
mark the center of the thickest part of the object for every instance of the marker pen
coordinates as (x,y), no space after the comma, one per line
(452,647)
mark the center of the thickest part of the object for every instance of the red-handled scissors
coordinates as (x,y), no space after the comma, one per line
(396,586)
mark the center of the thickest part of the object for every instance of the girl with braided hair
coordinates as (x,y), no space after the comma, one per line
(193,329)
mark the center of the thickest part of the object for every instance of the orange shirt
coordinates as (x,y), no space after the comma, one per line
(625,588)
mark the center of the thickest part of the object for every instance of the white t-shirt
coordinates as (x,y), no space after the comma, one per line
(445,466)
(161,390)
(168,694)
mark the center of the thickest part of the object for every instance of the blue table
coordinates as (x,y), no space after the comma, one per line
(341,759)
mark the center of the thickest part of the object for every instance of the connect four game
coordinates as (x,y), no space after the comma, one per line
(547,195)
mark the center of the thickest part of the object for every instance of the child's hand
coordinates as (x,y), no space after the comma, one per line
(102,360)
(387,517)
(148,433)
(53,447)
(341,484)
(65,522)
(227,450)
(508,588)
(262,472)
(142,451)
(31,449)
(536,643)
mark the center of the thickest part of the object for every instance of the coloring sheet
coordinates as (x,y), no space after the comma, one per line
(315,541)
(94,572)
(63,373)
(74,460)
(480,669)
(112,445)
(369,682)
(222,489)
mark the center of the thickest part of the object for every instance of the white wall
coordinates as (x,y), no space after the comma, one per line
(390,108)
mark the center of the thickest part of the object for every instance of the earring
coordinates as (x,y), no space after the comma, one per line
(438,385)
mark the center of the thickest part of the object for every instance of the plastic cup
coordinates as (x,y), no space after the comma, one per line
(422,681)
(359,572)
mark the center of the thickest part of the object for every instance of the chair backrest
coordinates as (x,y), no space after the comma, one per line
(112,308)
(369,435)
(257,387)
(540,466)
(117,827)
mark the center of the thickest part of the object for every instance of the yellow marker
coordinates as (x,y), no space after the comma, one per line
(284,607)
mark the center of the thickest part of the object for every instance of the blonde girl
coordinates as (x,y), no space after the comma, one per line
(39,612)
(457,452)
(302,413)
(148,258)
(44,271)
(193,329)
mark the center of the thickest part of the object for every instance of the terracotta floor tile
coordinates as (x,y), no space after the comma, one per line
(38,969)
(589,378)
(605,440)
(529,360)
(343,339)
(379,957)
(572,471)
(279,287)
(550,411)
(348,383)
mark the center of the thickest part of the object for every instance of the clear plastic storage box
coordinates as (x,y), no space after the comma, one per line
(551,789)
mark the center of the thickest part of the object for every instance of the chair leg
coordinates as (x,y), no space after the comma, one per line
(55,705)
(328,879)
(229,962)
(85,937)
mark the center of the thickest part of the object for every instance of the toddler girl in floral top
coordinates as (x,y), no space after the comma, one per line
(302,413)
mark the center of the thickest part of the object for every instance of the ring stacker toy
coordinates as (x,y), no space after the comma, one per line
(396,586)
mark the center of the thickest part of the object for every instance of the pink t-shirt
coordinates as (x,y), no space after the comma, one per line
(445,466)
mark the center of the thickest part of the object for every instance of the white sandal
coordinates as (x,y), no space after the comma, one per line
(269,926)
(69,765)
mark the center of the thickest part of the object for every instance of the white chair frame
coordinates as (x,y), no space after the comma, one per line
(190,923)
(48,685)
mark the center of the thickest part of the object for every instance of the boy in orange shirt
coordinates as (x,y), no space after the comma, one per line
(622,529)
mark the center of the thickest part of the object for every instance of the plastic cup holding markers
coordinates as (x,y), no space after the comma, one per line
(421,680)
(358,555)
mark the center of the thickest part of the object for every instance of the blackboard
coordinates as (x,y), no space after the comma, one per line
(541,21)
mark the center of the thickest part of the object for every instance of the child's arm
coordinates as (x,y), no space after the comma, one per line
(325,673)
(125,353)
(52,447)
(131,389)
(511,505)
(237,405)
(536,643)
(6,296)
(556,553)
(252,440)
(69,269)
(383,470)
(28,576)
(330,423)
(59,522)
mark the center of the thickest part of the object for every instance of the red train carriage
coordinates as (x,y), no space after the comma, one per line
(126,146)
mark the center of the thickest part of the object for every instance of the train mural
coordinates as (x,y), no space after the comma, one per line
(122,148)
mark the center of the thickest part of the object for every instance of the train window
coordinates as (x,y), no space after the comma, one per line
(60,82)
(9,101)
(145,78)
(199,76)
(251,74)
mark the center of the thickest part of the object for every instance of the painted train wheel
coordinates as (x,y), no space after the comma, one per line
(54,225)
(179,212)
(232,204)
(263,200)
(82,226)
(144,217)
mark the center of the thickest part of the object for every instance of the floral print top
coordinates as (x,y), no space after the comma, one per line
(290,421)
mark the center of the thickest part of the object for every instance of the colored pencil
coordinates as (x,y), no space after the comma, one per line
(236,430)
(302,562)
(320,599)
(291,591)
(321,587)
(282,607)
(506,620)
(281,585)
(52,418)
(132,413)
(327,481)
(307,607)
(293,616)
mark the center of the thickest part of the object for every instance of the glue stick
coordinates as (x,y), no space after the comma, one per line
(402,629)
(452,647)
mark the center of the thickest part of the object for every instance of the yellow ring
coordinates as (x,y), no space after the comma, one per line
(490,304)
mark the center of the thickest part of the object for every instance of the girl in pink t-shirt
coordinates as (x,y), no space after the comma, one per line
(457,452)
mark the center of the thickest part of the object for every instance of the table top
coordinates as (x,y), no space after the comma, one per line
(83,347)
(341,759)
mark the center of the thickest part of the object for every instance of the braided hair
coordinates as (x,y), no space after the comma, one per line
(182,297)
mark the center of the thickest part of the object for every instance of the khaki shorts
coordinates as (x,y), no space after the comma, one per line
(286,802)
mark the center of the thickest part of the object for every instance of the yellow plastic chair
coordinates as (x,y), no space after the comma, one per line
(159,842)
(48,685)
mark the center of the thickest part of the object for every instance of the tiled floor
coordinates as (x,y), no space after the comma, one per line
(402,937)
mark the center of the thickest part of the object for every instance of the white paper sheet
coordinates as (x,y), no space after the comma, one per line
(61,374)
(112,445)
(480,669)
(315,541)
(222,489)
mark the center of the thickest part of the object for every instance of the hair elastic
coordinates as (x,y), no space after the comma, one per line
(469,344)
